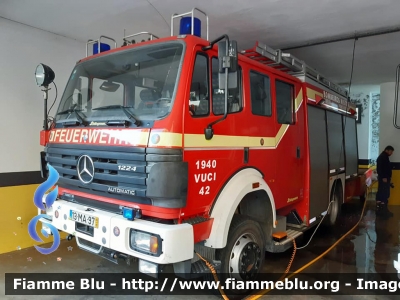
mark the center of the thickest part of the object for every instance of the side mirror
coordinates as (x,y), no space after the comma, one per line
(229,62)
(227,74)
(209,133)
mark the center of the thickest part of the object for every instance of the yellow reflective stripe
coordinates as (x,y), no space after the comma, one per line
(166,139)
(280,134)
(143,137)
(313,93)
(298,100)
(229,141)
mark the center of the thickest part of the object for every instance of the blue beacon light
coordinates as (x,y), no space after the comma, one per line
(128,213)
(103,48)
(186,26)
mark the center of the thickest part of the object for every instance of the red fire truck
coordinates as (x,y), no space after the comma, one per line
(180,145)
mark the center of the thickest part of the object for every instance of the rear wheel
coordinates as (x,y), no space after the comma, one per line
(243,256)
(335,206)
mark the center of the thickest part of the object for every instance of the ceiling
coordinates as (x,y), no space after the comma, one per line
(277,23)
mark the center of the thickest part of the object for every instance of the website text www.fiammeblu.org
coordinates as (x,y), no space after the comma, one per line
(294,284)
(112,285)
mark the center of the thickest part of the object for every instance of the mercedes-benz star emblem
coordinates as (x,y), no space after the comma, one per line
(85,169)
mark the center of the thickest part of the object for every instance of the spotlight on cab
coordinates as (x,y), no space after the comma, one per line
(44,75)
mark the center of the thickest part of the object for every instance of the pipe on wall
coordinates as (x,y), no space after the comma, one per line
(347,37)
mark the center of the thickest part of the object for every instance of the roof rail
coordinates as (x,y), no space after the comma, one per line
(98,41)
(126,42)
(290,64)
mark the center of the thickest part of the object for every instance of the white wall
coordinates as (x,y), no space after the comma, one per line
(389,135)
(22,49)
(364,95)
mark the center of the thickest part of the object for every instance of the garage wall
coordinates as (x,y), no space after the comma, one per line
(367,131)
(22,49)
(363,98)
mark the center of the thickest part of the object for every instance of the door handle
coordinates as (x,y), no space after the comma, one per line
(298,152)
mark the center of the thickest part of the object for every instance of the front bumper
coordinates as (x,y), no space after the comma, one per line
(177,240)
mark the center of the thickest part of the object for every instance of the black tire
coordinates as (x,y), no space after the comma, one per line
(243,256)
(335,207)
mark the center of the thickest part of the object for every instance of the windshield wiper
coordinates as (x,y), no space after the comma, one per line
(127,112)
(81,120)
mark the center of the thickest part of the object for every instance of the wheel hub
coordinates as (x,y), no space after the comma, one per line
(245,258)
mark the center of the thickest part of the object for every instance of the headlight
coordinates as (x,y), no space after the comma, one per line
(145,242)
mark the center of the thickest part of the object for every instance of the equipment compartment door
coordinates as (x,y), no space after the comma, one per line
(319,162)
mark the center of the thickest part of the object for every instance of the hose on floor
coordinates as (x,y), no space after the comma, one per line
(261,293)
(292,258)
(214,273)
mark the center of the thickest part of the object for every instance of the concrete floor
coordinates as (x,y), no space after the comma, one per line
(370,248)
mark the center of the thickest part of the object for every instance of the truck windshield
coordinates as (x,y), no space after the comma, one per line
(143,80)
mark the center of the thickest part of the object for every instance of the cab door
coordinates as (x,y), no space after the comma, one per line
(197,115)
(289,141)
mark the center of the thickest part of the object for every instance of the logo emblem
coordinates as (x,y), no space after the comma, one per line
(85,169)
(38,201)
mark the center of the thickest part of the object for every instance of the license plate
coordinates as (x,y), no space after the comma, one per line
(84,219)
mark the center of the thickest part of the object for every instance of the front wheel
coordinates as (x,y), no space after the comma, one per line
(243,255)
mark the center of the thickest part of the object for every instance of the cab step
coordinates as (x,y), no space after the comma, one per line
(283,241)
(284,232)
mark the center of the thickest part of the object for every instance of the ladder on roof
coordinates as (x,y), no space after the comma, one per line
(289,64)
